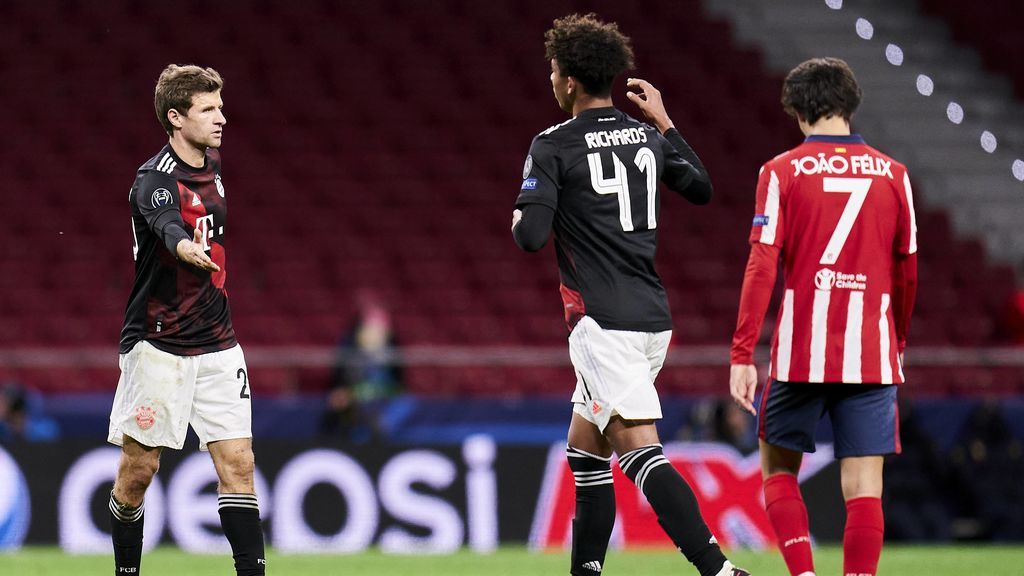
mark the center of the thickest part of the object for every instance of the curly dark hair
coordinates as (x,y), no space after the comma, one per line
(819,88)
(592,51)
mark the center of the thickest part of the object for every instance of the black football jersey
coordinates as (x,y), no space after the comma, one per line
(600,171)
(175,306)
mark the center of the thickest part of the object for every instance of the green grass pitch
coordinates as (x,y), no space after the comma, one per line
(517,561)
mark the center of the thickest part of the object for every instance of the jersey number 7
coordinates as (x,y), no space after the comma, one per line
(619,184)
(857,188)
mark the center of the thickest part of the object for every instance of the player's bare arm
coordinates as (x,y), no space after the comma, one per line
(648,99)
(191,252)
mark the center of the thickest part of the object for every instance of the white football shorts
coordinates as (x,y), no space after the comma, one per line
(159,394)
(615,372)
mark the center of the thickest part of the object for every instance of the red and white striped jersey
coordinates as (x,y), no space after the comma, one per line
(839,211)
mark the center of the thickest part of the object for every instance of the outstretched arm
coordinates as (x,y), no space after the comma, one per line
(191,252)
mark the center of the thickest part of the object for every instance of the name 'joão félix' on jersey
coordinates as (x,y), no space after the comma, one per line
(864,164)
(606,138)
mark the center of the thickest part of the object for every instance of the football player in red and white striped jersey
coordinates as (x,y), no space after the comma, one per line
(839,215)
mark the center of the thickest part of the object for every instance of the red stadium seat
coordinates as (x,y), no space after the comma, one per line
(378,146)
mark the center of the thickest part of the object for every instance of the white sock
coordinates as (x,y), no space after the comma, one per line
(726,569)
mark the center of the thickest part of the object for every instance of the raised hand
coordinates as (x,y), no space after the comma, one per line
(648,99)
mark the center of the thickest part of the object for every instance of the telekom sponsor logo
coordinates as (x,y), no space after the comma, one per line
(727,485)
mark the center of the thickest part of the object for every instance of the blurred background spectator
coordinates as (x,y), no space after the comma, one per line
(365,374)
(22,418)
(720,420)
(918,490)
(988,463)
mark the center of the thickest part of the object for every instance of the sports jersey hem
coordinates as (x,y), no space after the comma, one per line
(631,326)
(837,382)
(184,351)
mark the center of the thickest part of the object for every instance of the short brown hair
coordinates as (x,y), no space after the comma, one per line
(176,87)
(819,88)
(592,51)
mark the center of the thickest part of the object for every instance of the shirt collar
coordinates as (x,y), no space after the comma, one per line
(603,111)
(185,165)
(836,139)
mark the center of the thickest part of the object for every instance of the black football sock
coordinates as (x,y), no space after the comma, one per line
(676,506)
(595,511)
(126,533)
(240,518)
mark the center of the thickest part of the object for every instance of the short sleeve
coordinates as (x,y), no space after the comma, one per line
(541,174)
(906,227)
(767,225)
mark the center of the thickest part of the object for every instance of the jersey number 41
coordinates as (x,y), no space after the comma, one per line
(618,184)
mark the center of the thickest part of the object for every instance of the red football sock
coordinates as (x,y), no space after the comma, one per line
(788,515)
(862,539)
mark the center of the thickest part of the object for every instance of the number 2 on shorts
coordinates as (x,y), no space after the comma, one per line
(241,375)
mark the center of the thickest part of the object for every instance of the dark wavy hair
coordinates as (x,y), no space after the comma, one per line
(819,88)
(592,51)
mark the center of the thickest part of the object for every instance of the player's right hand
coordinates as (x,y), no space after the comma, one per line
(650,103)
(191,252)
(742,384)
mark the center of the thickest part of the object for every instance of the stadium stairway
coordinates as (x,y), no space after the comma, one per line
(912,70)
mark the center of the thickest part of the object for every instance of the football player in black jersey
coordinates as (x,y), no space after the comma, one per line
(593,180)
(180,362)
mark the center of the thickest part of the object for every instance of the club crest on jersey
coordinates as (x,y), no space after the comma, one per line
(219,184)
(529,184)
(528,166)
(761,220)
(161,197)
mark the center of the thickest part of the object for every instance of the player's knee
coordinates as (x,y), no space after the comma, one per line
(134,479)
(237,473)
(861,477)
(140,470)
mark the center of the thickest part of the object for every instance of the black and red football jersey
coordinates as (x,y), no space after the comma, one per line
(599,172)
(175,306)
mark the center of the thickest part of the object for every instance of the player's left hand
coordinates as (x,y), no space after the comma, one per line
(517,215)
(650,103)
(742,384)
